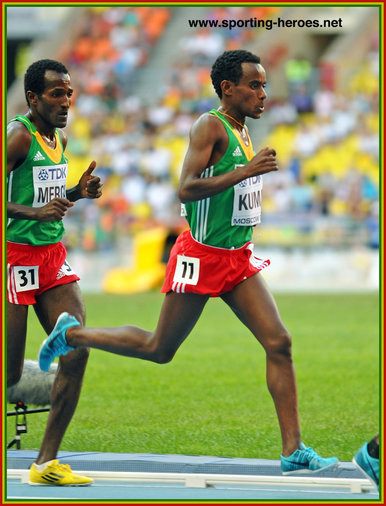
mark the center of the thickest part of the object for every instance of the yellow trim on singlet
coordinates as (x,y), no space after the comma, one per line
(56,153)
(248,150)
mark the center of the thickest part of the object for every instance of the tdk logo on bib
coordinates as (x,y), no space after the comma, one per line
(43,175)
(49,183)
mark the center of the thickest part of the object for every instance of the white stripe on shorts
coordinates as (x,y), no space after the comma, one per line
(178,287)
(11,285)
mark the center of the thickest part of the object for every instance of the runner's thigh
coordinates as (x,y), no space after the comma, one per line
(179,314)
(255,306)
(53,302)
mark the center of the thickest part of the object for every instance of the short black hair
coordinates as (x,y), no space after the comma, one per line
(228,66)
(34,76)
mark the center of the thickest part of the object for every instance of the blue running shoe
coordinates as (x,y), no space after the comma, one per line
(56,343)
(306,460)
(367,464)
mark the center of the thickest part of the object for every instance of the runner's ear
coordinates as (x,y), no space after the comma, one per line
(32,97)
(226,87)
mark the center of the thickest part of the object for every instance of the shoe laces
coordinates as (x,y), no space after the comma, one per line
(312,455)
(61,348)
(63,467)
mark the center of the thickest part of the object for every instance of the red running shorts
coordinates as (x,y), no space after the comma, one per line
(197,268)
(32,270)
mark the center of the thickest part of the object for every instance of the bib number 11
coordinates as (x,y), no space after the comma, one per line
(187,270)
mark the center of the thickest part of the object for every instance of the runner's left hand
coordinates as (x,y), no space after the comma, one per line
(90,186)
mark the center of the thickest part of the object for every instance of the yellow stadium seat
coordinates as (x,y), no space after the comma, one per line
(147,270)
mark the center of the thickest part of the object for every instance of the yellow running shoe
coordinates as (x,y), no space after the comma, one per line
(57,474)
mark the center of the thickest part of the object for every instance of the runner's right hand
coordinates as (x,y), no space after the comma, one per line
(54,210)
(263,162)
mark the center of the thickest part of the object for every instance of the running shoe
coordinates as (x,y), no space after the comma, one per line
(306,460)
(367,464)
(56,343)
(57,474)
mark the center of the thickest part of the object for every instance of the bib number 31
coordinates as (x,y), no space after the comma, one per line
(26,278)
(187,270)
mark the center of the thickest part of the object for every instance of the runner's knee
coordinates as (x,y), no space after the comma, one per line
(162,356)
(279,345)
(74,363)
(159,353)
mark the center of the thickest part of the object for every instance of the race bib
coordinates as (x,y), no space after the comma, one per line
(65,270)
(187,270)
(247,202)
(49,183)
(26,278)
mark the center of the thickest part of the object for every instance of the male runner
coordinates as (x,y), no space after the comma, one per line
(37,270)
(220,185)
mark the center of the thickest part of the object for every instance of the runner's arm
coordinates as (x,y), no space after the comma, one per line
(208,142)
(18,144)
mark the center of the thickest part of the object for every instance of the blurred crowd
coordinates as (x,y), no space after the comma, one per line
(327,190)
(328,145)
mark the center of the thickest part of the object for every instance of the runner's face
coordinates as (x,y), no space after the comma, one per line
(250,94)
(53,105)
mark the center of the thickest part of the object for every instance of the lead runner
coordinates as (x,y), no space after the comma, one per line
(220,186)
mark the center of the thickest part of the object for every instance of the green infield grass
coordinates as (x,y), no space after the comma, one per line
(212,398)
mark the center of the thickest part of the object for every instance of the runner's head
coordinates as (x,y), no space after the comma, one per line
(228,66)
(34,78)
(239,80)
(48,92)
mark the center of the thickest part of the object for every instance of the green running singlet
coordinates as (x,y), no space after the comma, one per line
(225,220)
(39,179)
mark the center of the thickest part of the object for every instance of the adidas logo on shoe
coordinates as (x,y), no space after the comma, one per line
(38,157)
(237,152)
